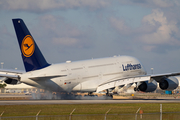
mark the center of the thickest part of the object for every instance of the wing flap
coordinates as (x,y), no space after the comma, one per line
(121,82)
(124,81)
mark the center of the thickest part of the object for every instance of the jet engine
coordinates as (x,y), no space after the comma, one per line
(10,81)
(169,83)
(147,87)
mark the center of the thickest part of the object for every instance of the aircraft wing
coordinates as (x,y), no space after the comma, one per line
(120,82)
(11,71)
(124,81)
(158,77)
(13,74)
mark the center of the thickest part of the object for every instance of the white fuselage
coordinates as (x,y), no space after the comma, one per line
(84,76)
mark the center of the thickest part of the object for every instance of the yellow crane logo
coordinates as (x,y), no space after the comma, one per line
(27,46)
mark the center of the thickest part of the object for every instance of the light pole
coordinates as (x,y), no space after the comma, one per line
(152,70)
(2,63)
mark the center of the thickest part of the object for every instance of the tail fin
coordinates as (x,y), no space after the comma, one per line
(31,55)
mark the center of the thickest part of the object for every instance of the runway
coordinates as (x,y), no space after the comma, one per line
(15,99)
(13,95)
(40,102)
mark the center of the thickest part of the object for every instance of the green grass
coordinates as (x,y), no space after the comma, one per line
(128,108)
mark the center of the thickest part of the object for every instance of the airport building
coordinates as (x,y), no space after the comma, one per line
(20,88)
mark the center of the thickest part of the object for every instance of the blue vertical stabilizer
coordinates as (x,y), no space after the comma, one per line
(31,55)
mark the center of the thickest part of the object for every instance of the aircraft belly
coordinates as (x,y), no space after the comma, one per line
(53,85)
(84,87)
(60,84)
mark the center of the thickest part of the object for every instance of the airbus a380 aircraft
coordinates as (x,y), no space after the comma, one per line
(90,76)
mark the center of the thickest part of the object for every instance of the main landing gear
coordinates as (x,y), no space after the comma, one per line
(136,88)
(109,94)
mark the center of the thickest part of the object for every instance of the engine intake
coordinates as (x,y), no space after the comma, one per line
(11,81)
(147,87)
(169,83)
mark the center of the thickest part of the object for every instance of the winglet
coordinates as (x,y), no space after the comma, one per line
(31,55)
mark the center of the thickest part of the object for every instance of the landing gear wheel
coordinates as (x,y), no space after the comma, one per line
(109,95)
(136,89)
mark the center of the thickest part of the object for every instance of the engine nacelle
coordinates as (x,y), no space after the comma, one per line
(147,87)
(169,83)
(11,81)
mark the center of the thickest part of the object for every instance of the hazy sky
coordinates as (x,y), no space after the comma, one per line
(83,29)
